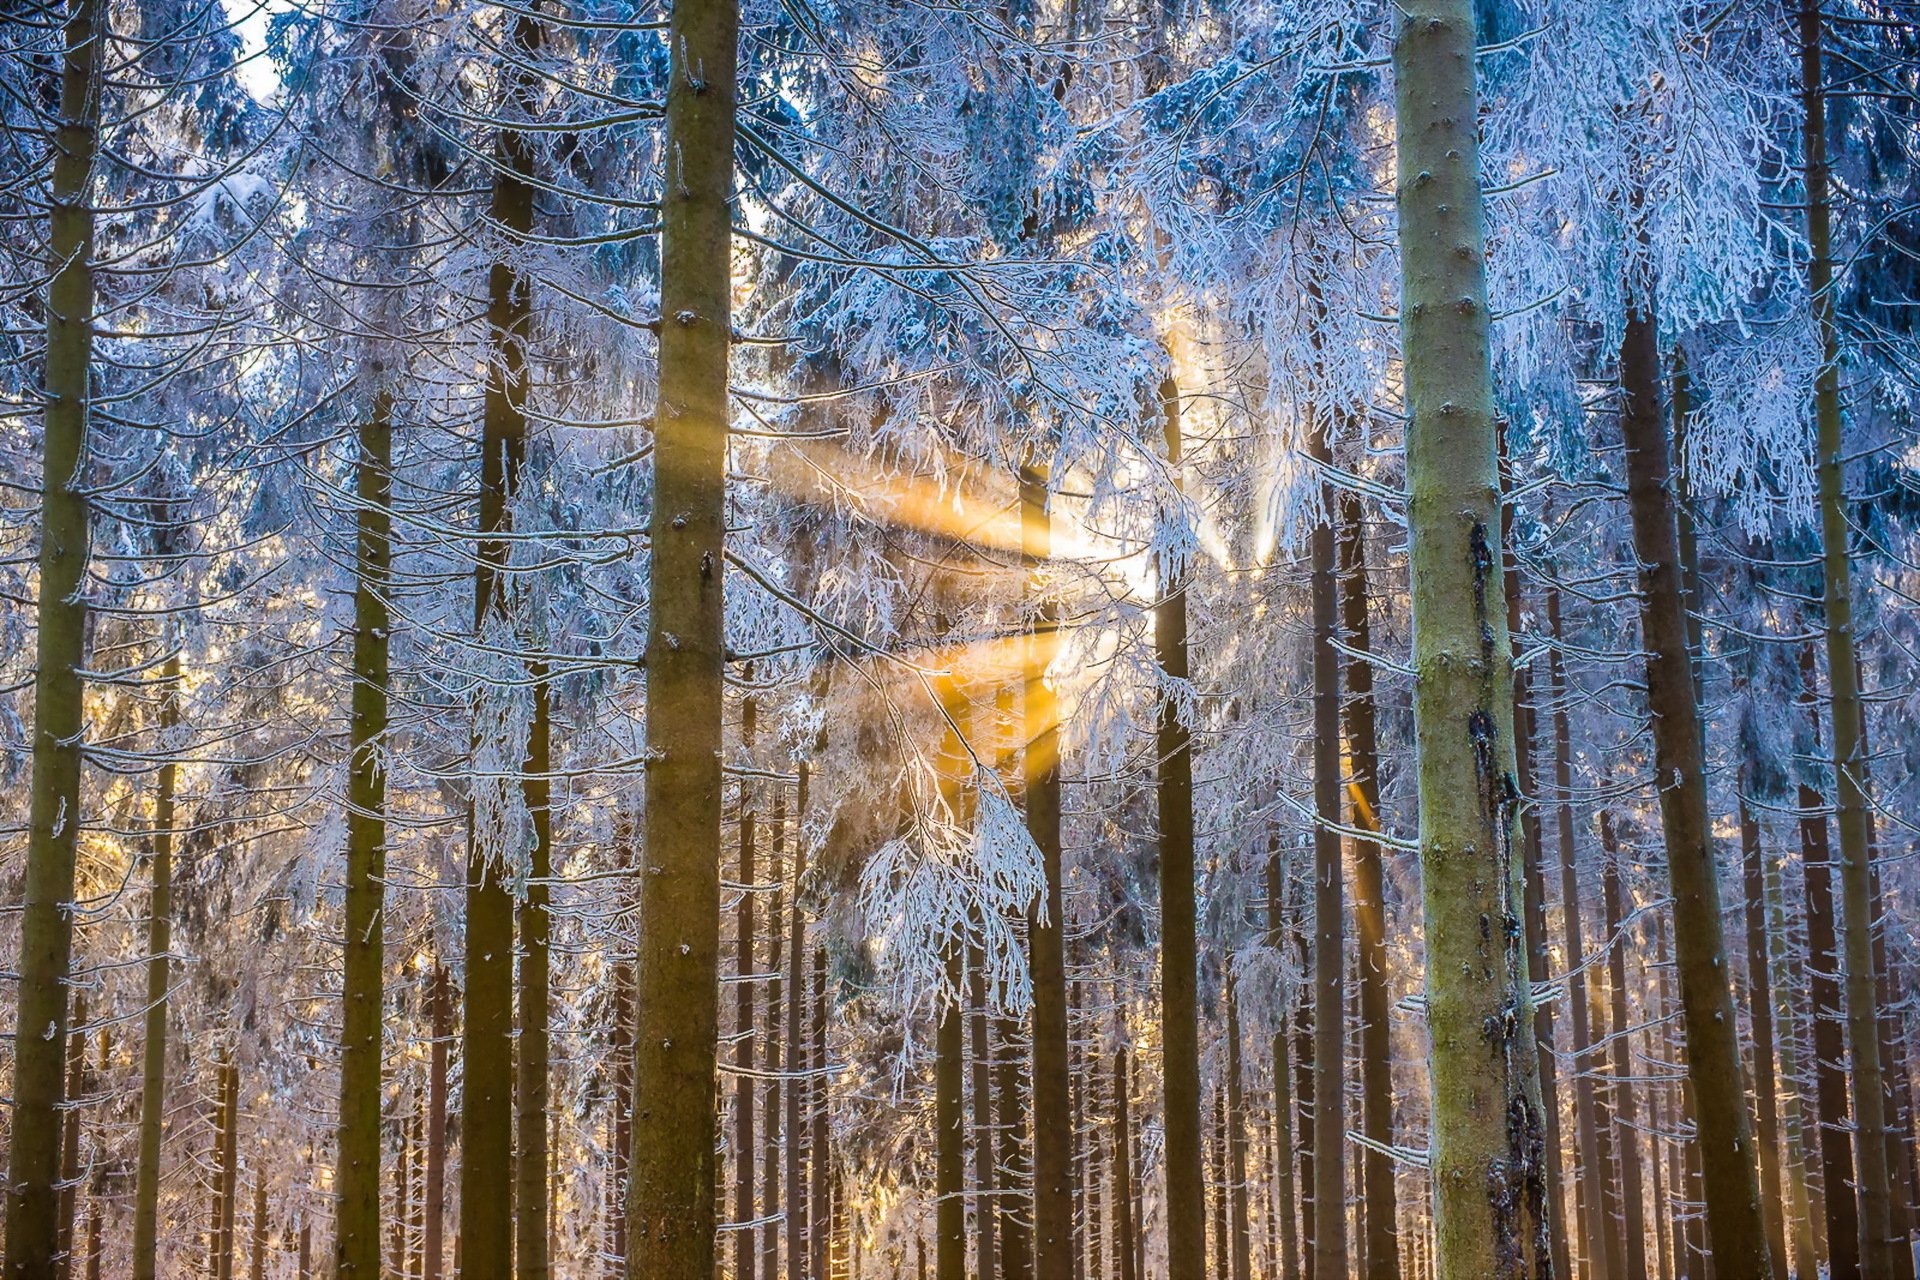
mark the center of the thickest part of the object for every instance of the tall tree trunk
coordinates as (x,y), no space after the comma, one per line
(487,1114)
(1126,1226)
(1303,1093)
(257,1256)
(985,1182)
(70,1135)
(1760,1012)
(798,1224)
(1380,1194)
(1052,1146)
(153,1051)
(226,1192)
(356,1209)
(746,934)
(818,1147)
(1726,1145)
(1329,896)
(1013,1205)
(1488,1136)
(532,1198)
(1803,1233)
(433,1195)
(1281,1062)
(1874,1180)
(60,655)
(1596,1233)
(671,1201)
(950,1132)
(1625,1108)
(770,1202)
(1241,1244)
(1186,1185)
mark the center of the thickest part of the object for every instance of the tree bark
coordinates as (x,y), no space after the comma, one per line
(532,1198)
(1760,1013)
(770,1202)
(1186,1206)
(671,1211)
(1596,1233)
(1804,1236)
(985,1180)
(746,934)
(1380,1194)
(950,1133)
(434,1194)
(1329,895)
(1874,1180)
(356,1209)
(1488,1138)
(1126,1226)
(1625,1107)
(153,1051)
(1283,1099)
(1240,1242)
(1726,1147)
(798,1223)
(60,655)
(1052,1147)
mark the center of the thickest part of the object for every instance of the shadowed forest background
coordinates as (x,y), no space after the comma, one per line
(1013,640)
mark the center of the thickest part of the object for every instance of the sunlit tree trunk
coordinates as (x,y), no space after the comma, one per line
(671,1236)
(356,1209)
(70,1135)
(1052,1148)
(60,655)
(1186,1206)
(1488,1139)
(1873,1178)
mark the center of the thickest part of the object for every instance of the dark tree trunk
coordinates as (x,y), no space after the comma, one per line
(1179,952)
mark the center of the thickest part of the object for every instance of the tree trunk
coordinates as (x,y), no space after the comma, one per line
(1706,999)
(818,1147)
(1125,1225)
(746,934)
(985,1183)
(531,1195)
(1283,1100)
(257,1264)
(1874,1180)
(671,1201)
(1596,1232)
(1241,1244)
(1380,1194)
(487,1097)
(356,1209)
(70,1136)
(1186,1205)
(1488,1137)
(153,1052)
(1804,1236)
(1625,1108)
(1760,1012)
(434,1194)
(60,655)
(1052,1147)
(798,1225)
(770,1202)
(950,1133)
(226,1186)
(1329,897)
